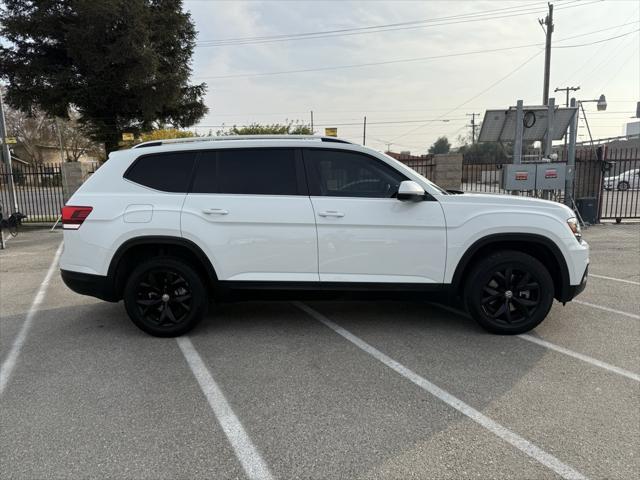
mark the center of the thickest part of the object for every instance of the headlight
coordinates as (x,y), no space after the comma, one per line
(574,226)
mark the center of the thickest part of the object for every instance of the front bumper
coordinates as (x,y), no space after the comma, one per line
(575,290)
(88,284)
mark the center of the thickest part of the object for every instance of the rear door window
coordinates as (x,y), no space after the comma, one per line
(167,172)
(251,171)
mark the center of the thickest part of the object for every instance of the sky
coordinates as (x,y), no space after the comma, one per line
(490,54)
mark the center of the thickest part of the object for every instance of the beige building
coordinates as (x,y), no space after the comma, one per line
(50,154)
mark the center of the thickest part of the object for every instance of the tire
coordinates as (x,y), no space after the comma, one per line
(165,297)
(623,186)
(509,292)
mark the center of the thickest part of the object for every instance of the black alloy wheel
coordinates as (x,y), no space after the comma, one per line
(165,297)
(509,292)
(511,296)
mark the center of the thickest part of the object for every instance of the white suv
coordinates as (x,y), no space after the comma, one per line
(168,225)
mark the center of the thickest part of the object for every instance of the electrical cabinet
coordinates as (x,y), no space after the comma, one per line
(534,176)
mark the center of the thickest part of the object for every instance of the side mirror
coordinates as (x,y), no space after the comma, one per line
(410,190)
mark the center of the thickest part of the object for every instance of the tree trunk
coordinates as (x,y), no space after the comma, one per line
(111,143)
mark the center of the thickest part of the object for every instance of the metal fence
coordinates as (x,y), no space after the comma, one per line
(620,190)
(423,165)
(483,175)
(610,177)
(38,189)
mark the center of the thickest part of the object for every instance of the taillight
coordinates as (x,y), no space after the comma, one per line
(72,217)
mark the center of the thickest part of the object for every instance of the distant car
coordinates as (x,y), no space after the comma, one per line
(624,181)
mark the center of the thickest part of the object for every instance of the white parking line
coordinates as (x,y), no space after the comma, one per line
(622,280)
(248,455)
(12,357)
(579,356)
(607,309)
(558,348)
(505,434)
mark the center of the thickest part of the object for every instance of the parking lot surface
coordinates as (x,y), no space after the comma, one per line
(324,389)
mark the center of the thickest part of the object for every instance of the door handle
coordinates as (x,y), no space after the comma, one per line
(215,211)
(331,213)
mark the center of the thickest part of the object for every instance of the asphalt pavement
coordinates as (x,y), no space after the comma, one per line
(325,389)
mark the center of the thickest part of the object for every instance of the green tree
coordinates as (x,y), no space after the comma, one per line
(486,152)
(122,65)
(441,145)
(290,128)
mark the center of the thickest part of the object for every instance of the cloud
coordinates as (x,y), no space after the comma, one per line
(413,90)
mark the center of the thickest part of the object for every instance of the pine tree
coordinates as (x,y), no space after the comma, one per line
(122,65)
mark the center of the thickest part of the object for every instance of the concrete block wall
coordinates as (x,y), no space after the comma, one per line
(447,171)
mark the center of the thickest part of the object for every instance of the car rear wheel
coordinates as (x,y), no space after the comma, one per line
(509,292)
(624,185)
(165,297)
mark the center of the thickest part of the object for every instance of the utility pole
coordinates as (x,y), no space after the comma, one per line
(364,131)
(312,122)
(567,90)
(473,126)
(6,154)
(548,22)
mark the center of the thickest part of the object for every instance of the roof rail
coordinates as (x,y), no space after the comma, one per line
(156,143)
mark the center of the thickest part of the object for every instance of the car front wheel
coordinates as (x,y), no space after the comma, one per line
(509,292)
(165,297)
(622,186)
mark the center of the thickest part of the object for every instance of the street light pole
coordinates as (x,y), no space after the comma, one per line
(571,157)
(567,90)
(601,103)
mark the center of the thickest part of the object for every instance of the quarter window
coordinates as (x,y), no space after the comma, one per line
(255,171)
(168,172)
(337,173)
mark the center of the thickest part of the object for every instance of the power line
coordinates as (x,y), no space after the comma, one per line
(598,41)
(417,24)
(405,60)
(346,124)
(370,27)
(370,64)
(624,64)
(399,110)
(478,94)
(594,55)
(598,31)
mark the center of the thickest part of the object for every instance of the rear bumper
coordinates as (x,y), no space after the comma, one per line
(88,284)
